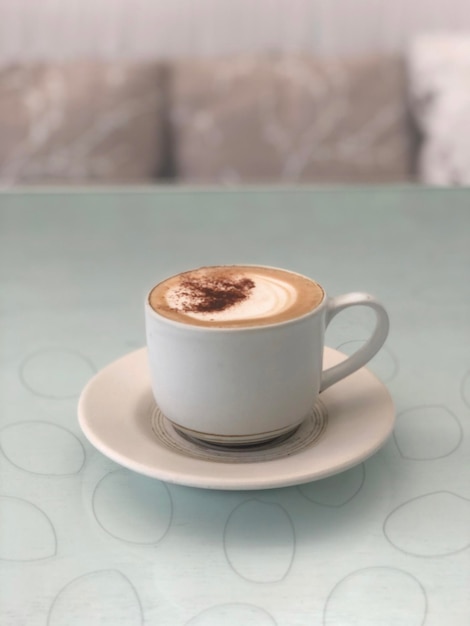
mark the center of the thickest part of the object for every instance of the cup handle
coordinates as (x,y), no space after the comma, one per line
(369,349)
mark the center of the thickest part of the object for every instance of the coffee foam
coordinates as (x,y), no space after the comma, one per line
(268,296)
(234,296)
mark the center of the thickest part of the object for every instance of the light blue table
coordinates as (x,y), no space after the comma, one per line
(86,542)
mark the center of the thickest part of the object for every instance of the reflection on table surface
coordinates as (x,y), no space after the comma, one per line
(86,541)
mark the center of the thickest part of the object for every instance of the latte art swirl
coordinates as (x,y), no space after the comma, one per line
(267,297)
(233,296)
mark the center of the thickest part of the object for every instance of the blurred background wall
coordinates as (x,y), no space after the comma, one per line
(137,29)
(235,91)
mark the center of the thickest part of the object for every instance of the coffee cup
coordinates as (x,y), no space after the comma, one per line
(235,352)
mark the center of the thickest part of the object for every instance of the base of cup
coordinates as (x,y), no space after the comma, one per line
(232,442)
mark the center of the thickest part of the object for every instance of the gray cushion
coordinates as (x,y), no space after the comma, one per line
(80,122)
(291,118)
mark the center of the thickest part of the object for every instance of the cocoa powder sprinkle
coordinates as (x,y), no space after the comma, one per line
(211,294)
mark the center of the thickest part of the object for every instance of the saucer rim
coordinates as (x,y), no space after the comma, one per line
(180,469)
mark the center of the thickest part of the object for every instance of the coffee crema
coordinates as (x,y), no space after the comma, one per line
(235,296)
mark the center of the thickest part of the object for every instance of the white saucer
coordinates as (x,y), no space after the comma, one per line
(119,417)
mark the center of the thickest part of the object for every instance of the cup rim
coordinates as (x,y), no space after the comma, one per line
(238,329)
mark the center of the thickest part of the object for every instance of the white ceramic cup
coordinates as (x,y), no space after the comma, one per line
(245,385)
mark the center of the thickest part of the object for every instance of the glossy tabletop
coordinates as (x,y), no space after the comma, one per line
(84,541)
